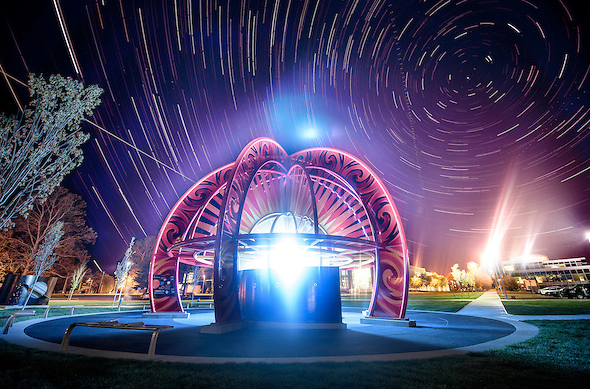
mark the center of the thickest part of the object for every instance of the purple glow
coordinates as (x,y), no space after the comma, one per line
(448,102)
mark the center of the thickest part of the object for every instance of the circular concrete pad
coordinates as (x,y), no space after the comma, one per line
(435,332)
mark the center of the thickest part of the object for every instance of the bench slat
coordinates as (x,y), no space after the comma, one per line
(121,326)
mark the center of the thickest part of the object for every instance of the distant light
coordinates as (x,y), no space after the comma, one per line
(588,236)
(530,258)
(309,133)
(514,28)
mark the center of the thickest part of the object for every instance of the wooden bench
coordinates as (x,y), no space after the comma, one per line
(120,326)
(21,313)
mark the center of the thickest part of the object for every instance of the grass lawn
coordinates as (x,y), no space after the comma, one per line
(428,301)
(556,358)
(547,307)
(444,295)
(436,305)
(440,301)
(5,314)
(526,295)
(424,301)
(103,303)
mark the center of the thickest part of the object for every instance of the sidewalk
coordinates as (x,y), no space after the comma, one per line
(487,305)
(490,306)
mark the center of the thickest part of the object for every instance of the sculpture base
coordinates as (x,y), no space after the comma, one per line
(388,322)
(167,315)
(222,328)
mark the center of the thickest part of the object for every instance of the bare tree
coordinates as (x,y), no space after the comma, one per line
(108,283)
(77,277)
(45,257)
(22,241)
(142,255)
(480,276)
(7,263)
(43,144)
(122,270)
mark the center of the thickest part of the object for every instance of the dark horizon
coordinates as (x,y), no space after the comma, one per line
(474,114)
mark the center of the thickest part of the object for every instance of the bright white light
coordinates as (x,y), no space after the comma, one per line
(362,278)
(502,219)
(588,236)
(202,260)
(286,252)
(288,259)
(490,258)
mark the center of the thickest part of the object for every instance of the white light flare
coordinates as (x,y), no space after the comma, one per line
(502,221)
(288,259)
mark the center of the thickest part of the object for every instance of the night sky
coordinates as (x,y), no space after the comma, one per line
(474,113)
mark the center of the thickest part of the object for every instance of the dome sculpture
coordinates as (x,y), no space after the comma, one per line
(277,229)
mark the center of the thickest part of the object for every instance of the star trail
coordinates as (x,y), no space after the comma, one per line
(475,113)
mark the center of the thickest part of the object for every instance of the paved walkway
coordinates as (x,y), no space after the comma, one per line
(489,305)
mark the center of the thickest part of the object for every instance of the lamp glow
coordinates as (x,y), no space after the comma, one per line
(288,260)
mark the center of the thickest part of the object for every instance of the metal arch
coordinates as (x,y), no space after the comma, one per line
(164,266)
(311,193)
(191,230)
(341,181)
(225,293)
(336,180)
(262,181)
(334,187)
(389,298)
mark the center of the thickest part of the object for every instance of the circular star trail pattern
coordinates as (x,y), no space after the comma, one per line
(474,113)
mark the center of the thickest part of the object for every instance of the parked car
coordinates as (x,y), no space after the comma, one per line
(551,290)
(576,291)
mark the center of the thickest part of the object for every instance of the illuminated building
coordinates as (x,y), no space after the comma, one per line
(277,229)
(416,271)
(538,270)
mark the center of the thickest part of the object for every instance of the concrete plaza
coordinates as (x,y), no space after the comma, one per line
(481,325)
